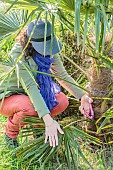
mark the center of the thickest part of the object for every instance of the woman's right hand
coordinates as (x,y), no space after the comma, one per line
(51,130)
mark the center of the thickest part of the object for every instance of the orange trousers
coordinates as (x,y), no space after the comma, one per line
(16,106)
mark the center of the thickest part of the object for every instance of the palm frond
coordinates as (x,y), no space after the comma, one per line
(107,61)
(107,116)
(37,152)
(11,22)
(78,8)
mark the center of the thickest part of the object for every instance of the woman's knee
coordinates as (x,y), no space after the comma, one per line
(62,104)
(20,104)
(26,106)
(62,99)
(23,108)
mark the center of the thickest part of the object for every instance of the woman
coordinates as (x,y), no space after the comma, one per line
(36,94)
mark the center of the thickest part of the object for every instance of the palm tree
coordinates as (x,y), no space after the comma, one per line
(101,89)
(70,14)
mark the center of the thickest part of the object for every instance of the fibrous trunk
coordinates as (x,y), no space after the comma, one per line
(100,79)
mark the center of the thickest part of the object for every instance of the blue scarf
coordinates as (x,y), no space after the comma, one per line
(48,88)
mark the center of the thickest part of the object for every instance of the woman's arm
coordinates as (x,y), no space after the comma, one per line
(58,69)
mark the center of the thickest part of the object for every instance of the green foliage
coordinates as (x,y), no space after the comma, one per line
(105,124)
(101,13)
(37,152)
(107,61)
(10,161)
(82,17)
(11,22)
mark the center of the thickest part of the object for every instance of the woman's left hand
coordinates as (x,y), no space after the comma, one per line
(85,106)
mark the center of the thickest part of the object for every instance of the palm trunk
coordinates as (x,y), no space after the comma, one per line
(99,82)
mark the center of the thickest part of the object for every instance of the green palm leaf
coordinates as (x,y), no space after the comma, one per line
(99,9)
(11,22)
(37,152)
(107,116)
